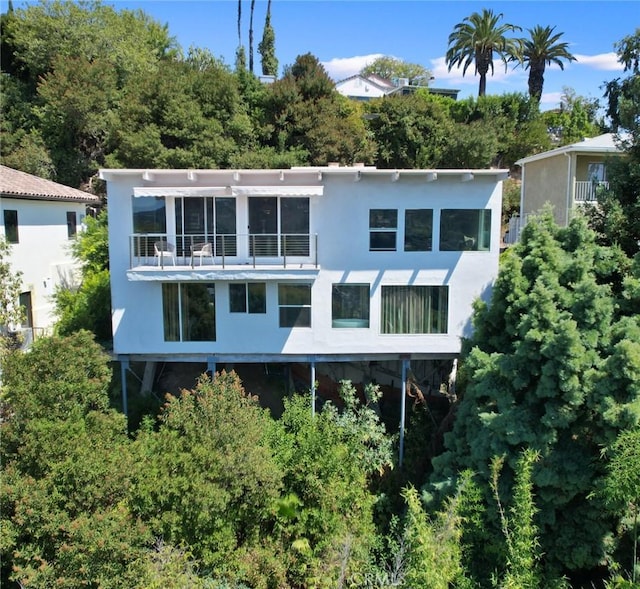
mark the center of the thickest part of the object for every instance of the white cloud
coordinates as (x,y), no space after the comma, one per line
(454,77)
(603,61)
(550,100)
(340,68)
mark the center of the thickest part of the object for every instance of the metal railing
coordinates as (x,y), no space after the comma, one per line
(257,249)
(587,191)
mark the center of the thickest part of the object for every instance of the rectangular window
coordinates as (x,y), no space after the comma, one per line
(189,312)
(383,225)
(465,230)
(148,217)
(250,297)
(418,224)
(11,226)
(415,309)
(294,302)
(596,172)
(72,224)
(350,305)
(278,226)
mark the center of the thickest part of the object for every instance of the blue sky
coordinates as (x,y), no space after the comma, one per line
(345,35)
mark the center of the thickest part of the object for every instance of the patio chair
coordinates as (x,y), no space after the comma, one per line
(164,250)
(201,250)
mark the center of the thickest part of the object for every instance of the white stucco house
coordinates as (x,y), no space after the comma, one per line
(358,87)
(345,265)
(39,220)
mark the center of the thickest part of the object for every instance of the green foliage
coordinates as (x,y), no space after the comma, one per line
(328,461)
(206,477)
(388,68)
(537,370)
(88,306)
(621,486)
(10,289)
(476,39)
(574,120)
(434,558)
(267,48)
(65,471)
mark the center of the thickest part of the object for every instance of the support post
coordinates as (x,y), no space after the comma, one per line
(211,367)
(313,389)
(124,366)
(403,402)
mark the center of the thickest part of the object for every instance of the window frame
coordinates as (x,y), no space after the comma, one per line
(303,317)
(434,319)
(11,226)
(176,312)
(361,322)
(72,224)
(249,305)
(456,239)
(383,228)
(413,238)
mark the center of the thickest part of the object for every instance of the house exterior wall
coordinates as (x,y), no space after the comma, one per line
(546,180)
(359,88)
(340,218)
(42,253)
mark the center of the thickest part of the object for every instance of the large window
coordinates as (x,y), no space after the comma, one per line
(205,219)
(248,297)
(294,302)
(278,226)
(414,309)
(148,217)
(72,224)
(11,226)
(383,226)
(189,312)
(418,225)
(465,229)
(350,305)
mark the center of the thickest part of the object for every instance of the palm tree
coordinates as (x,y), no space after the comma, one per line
(476,39)
(540,50)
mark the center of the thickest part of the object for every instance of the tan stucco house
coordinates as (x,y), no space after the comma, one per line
(567,177)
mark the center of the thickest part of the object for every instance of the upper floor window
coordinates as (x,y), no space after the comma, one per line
(350,305)
(149,214)
(189,312)
(11,226)
(294,302)
(465,229)
(383,227)
(248,297)
(418,225)
(279,226)
(596,172)
(415,309)
(72,224)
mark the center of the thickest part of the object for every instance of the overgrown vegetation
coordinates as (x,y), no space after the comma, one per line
(537,483)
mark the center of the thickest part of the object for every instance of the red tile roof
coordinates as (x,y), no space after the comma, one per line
(16,184)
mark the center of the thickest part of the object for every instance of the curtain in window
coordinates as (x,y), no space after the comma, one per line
(414,309)
(171,312)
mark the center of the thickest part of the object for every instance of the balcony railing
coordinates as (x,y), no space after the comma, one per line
(279,249)
(588,191)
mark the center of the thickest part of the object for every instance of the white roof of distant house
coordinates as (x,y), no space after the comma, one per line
(17,184)
(607,143)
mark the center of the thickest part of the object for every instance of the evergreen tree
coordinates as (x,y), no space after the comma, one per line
(267,48)
(552,367)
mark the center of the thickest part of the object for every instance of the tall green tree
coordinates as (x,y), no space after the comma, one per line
(551,367)
(541,49)
(10,289)
(388,67)
(476,39)
(267,47)
(617,216)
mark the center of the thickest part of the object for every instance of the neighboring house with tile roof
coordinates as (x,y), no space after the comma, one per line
(39,218)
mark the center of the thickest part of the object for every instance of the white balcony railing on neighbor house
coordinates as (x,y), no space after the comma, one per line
(588,191)
(279,249)
(516,225)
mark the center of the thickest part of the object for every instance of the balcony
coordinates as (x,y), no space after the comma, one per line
(231,252)
(588,191)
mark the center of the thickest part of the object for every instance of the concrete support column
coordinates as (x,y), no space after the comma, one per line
(403,403)
(313,389)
